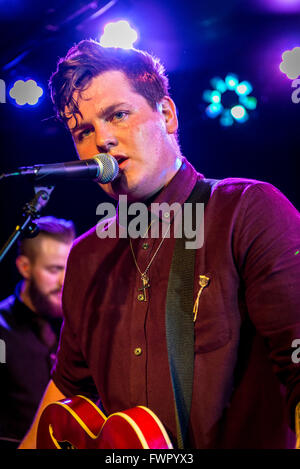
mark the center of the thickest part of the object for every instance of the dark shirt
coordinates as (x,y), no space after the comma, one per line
(26,371)
(114,345)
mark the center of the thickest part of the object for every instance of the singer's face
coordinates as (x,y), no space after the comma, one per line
(117,120)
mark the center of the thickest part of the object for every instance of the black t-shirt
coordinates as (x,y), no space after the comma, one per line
(26,362)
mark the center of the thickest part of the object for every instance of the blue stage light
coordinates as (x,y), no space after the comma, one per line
(244,88)
(231,81)
(214,110)
(249,102)
(212,96)
(226,119)
(234,112)
(219,84)
(26,92)
(239,113)
(119,34)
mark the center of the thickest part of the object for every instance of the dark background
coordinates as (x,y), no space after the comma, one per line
(195,40)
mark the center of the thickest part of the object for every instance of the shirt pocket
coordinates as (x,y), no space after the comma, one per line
(212,327)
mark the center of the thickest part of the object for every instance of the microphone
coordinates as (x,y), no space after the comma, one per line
(101,168)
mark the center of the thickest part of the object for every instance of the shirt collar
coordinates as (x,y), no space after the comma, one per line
(24,314)
(176,192)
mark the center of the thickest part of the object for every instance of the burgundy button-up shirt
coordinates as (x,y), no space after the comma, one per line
(114,345)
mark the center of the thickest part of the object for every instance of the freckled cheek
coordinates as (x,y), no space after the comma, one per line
(144,137)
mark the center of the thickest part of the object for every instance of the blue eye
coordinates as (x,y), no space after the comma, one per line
(120,115)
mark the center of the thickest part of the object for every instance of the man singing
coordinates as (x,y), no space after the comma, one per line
(245,281)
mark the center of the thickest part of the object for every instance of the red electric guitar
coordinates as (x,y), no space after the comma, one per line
(77,423)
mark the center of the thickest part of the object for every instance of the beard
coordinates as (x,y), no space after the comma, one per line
(43,303)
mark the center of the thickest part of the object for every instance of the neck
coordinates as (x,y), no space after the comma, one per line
(171,172)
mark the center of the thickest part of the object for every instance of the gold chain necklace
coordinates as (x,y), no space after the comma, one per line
(144,276)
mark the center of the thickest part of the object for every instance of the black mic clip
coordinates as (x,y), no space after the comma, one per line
(31,211)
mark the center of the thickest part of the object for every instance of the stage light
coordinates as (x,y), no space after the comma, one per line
(226,119)
(244,88)
(214,110)
(281,6)
(119,34)
(212,96)
(290,64)
(217,103)
(218,84)
(239,113)
(231,81)
(249,102)
(26,92)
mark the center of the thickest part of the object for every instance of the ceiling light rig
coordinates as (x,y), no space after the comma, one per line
(229,100)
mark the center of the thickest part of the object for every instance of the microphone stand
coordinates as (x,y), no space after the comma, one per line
(31,211)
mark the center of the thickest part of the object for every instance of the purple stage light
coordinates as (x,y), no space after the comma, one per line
(280,6)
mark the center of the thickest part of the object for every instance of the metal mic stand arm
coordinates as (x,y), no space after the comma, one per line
(31,211)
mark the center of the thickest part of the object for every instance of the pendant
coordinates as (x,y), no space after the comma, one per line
(146,284)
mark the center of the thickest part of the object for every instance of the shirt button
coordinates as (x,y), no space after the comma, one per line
(140,297)
(145,246)
(137,351)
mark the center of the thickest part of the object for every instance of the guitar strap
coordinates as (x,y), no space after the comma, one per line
(179,319)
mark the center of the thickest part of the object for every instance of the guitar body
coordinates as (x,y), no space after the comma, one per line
(77,423)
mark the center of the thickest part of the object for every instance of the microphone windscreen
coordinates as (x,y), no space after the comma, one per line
(110,168)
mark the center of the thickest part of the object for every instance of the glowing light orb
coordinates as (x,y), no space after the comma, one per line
(119,34)
(239,113)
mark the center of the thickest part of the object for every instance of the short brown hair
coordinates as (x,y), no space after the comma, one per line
(88,59)
(55,228)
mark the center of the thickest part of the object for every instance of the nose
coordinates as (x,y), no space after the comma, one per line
(105,139)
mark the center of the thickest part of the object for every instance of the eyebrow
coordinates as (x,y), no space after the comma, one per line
(102,113)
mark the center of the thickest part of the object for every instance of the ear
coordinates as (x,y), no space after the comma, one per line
(168,110)
(24,266)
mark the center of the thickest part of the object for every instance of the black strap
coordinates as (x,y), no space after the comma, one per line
(179,321)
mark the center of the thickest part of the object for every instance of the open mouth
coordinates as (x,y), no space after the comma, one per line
(121,160)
